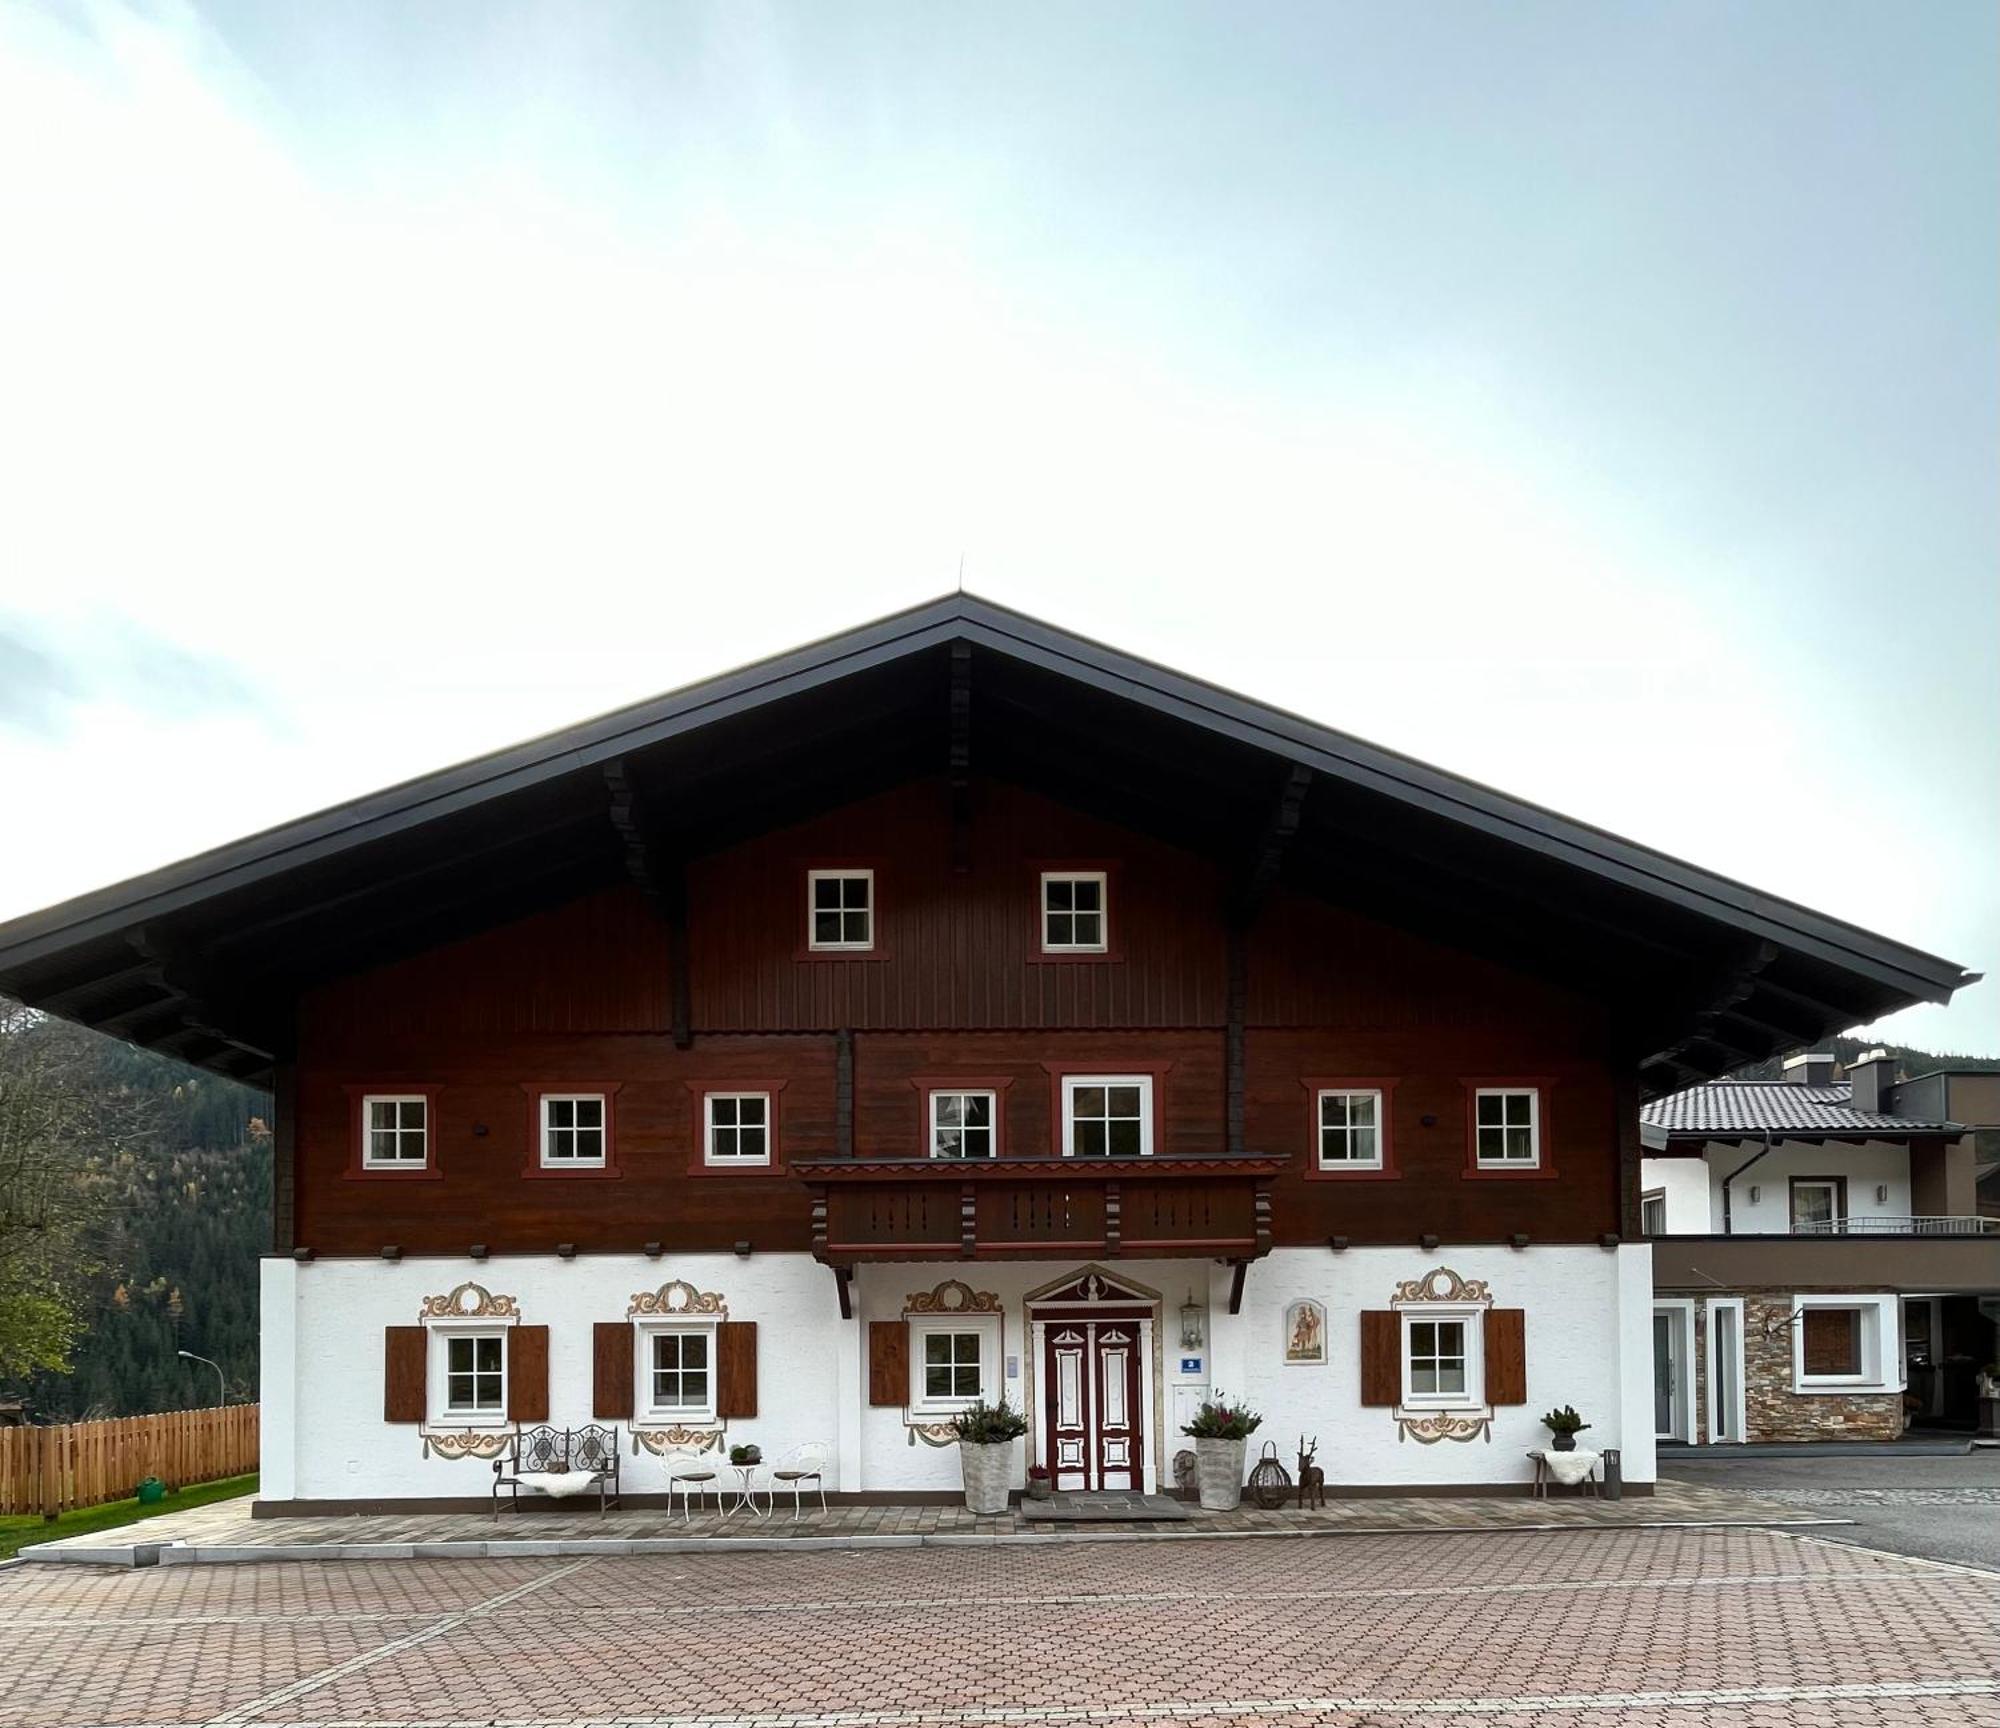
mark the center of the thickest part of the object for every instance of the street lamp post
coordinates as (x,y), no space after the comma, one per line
(221,1392)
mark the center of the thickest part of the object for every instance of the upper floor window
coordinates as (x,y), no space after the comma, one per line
(840,905)
(1653,1213)
(738,1127)
(1107,1115)
(1507,1132)
(573,1130)
(1350,1130)
(1075,912)
(964,1124)
(1817,1205)
(395,1130)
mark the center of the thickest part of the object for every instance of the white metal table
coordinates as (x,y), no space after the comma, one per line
(746,1492)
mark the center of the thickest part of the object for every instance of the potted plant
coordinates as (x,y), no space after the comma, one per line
(986,1436)
(746,1455)
(1040,1487)
(1219,1430)
(1564,1425)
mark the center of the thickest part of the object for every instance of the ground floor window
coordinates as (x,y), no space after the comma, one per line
(953,1364)
(475,1375)
(1441,1360)
(680,1373)
(1844,1343)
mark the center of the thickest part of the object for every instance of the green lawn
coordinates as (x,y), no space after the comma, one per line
(17,1533)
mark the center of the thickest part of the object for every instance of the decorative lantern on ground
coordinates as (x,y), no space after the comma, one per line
(1270,1481)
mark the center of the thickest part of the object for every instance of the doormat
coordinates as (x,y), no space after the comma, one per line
(1107,1508)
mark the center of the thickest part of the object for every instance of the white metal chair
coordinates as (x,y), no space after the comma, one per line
(804,1466)
(690,1474)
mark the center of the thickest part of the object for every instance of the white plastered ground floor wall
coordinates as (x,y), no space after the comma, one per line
(1588,1343)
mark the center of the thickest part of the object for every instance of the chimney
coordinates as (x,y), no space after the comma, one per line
(1810,1070)
(1873,1073)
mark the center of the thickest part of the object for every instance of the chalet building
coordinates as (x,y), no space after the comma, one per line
(955,1008)
(1821,1270)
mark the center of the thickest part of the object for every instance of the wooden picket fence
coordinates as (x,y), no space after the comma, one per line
(57,1469)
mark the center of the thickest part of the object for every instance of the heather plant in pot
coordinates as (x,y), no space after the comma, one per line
(1219,1431)
(1564,1426)
(986,1436)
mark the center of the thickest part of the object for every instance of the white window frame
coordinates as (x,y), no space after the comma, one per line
(1534,1159)
(987,1327)
(1070,1083)
(1835,1210)
(368,1102)
(992,1125)
(439,1375)
(1881,1344)
(1103,880)
(684,1415)
(1653,1197)
(1735,1416)
(813,880)
(1320,1129)
(549,1160)
(1473,1319)
(736,1161)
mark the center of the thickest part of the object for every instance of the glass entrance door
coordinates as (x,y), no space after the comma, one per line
(1669,1417)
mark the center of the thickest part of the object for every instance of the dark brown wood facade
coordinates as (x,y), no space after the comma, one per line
(583,995)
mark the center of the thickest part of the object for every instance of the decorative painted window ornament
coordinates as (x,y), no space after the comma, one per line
(953,1296)
(469,1301)
(660,1441)
(677,1296)
(1443,1365)
(1305,1334)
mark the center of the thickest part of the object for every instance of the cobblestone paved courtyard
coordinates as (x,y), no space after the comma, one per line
(1665,1628)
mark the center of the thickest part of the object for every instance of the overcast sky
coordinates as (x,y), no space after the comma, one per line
(1600,401)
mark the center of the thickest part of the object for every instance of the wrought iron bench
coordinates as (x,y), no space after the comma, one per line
(560,1463)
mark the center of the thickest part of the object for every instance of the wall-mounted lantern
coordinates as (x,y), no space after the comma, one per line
(1192,1318)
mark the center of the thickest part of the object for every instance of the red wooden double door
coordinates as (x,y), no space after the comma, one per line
(1093,1424)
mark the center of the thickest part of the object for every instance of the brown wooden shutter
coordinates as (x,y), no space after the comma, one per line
(1506,1356)
(528,1374)
(611,1369)
(1831,1342)
(736,1368)
(889,1362)
(1381,1356)
(404,1350)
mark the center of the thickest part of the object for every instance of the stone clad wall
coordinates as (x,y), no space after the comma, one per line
(1773,1411)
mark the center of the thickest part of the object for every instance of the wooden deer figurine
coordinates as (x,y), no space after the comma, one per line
(1311,1478)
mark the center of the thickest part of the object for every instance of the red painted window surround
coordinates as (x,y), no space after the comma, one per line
(878,949)
(701,1091)
(537,1090)
(1385,1129)
(1543,1088)
(357,1123)
(1058,1072)
(1114,920)
(927,1084)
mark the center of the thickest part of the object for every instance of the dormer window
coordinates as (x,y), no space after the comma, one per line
(840,910)
(1075,912)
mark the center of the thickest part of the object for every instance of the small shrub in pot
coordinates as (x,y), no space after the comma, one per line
(1219,1431)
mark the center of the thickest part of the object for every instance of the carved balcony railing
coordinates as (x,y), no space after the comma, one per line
(1215,1206)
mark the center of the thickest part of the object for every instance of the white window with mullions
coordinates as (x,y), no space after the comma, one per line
(1350,1130)
(395,1129)
(1442,1368)
(1507,1127)
(738,1127)
(1107,1115)
(680,1373)
(964,1124)
(573,1130)
(953,1364)
(1075,912)
(475,1374)
(840,907)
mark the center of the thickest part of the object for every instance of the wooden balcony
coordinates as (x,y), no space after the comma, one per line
(1216,1206)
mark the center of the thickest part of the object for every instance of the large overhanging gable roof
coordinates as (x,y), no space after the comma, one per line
(204,958)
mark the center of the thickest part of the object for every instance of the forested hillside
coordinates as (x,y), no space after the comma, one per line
(134,1202)
(1909,1061)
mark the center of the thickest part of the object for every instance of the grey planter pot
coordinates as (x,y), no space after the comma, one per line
(1219,1471)
(989,1473)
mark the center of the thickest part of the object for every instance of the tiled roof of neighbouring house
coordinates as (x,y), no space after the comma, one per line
(1782,1106)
